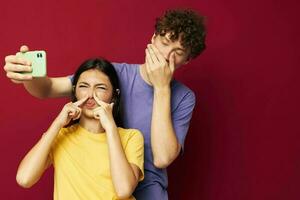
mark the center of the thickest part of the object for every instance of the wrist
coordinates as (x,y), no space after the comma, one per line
(57,124)
(165,90)
(111,129)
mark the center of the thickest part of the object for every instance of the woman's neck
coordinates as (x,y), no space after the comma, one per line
(92,125)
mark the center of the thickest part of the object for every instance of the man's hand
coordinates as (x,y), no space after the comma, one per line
(15,64)
(159,71)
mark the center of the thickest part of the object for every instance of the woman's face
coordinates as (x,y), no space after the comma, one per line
(89,82)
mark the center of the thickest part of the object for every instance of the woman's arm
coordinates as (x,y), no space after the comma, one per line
(125,176)
(38,159)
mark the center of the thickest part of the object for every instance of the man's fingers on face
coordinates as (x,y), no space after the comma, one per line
(149,57)
(148,64)
(152,53)
(157,53)
(80,102)
(172,62)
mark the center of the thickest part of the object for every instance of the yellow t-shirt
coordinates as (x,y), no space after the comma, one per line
(81,163)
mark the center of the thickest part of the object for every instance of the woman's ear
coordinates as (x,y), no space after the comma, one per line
(117,94)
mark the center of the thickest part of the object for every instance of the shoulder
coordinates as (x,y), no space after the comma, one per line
(66,132)
(129,134)
(123,67)
(181,93)
(69,129)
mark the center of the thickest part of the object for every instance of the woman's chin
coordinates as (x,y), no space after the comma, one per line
(88,113)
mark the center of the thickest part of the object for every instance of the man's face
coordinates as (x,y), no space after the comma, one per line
(166,46)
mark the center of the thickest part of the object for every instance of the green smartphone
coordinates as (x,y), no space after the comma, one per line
(38,62)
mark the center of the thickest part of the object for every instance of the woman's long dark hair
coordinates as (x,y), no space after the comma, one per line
(108,69)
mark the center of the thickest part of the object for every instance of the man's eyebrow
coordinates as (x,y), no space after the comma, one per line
(178,48)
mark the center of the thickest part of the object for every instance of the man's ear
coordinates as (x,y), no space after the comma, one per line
(187,61)
(152,38)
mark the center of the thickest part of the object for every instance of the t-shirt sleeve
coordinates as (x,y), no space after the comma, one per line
(135,151)
(56,143)
(182,115)
(118,67)
(71,77)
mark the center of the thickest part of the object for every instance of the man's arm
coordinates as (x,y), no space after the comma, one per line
(39,87)
(165,146)
(49,87)
(164,143)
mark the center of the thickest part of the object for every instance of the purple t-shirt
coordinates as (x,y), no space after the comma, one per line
(137,101)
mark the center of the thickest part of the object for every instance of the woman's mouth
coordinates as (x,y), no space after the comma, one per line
(90,104)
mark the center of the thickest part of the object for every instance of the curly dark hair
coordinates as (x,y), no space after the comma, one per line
(186,25)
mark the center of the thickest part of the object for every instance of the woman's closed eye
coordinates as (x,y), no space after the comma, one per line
(101,88)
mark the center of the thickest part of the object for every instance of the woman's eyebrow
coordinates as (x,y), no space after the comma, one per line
(82,82)
(98,84)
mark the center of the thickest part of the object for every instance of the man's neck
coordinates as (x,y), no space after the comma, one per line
(92,125)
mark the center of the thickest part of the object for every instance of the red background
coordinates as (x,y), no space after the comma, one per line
(243,143)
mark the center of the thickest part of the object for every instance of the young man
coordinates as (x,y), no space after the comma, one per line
(154,103)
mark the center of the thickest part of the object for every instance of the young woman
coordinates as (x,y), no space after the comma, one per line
(93,157)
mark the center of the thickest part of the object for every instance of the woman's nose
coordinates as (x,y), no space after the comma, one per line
(90,93)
